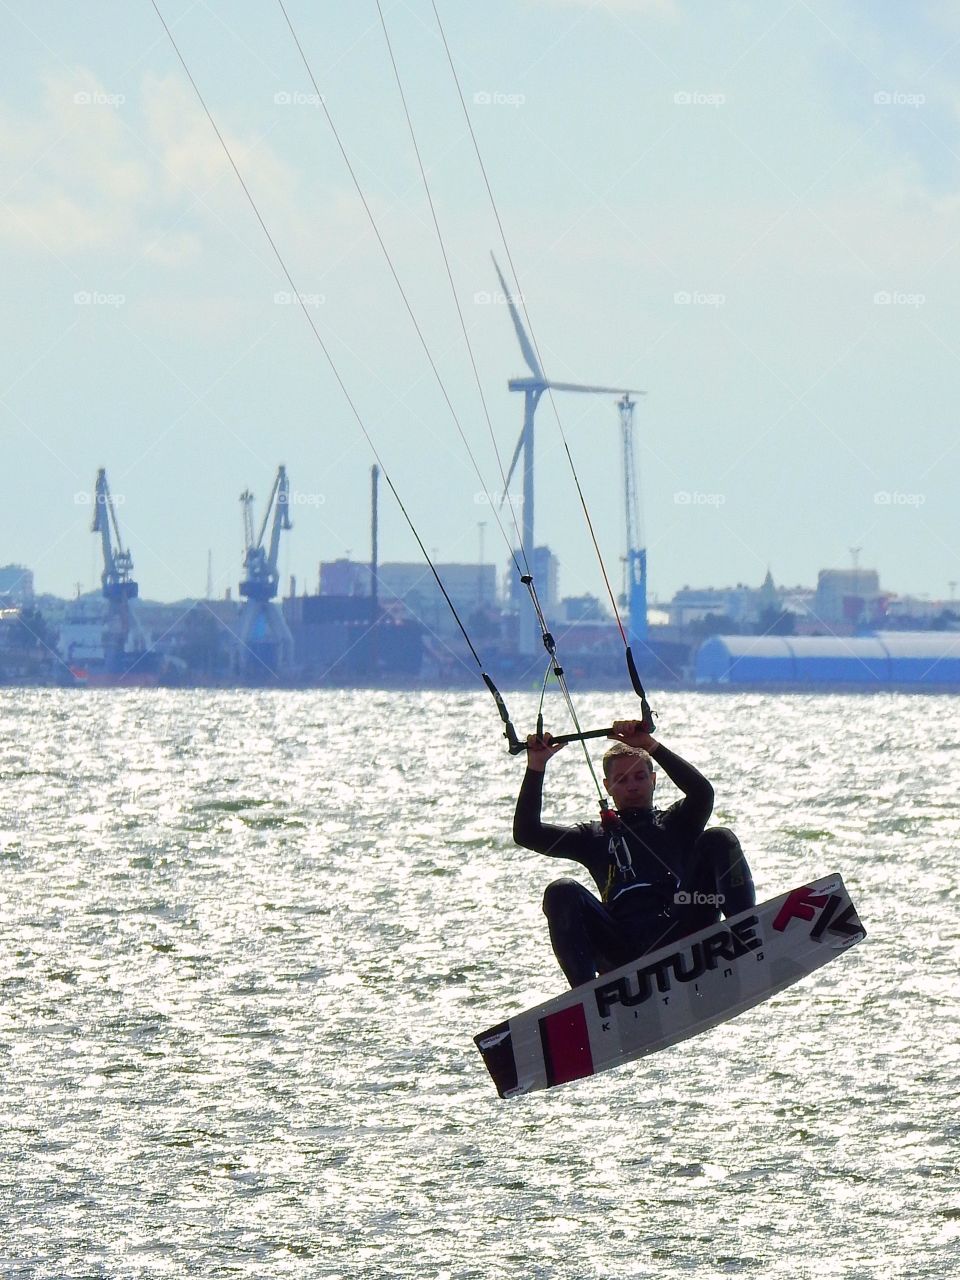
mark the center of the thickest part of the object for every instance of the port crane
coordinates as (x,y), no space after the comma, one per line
(122,632)
(265,639)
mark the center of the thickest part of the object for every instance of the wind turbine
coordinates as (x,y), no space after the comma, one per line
(533,388)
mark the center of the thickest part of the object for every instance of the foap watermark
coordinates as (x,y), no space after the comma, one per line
(894,498)
(698,899)
(286,98)
(93,298)
(85,499)
(496,297)
(496,98)
(694,498)
(697,98)
(496,499)
(298,499)
(285,298)
(897,98)
(896,298)
(697,298)
(97,98)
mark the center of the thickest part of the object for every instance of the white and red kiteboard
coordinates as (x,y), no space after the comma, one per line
(674,993)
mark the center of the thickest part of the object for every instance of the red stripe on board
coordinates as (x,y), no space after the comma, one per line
(566,1045)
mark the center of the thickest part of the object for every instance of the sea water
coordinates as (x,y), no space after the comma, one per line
(247,938)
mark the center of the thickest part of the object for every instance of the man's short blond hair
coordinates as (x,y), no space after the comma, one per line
(621,749)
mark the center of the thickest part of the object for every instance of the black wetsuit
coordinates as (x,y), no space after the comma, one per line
(660,874)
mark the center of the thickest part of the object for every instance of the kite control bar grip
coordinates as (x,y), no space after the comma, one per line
(517,747)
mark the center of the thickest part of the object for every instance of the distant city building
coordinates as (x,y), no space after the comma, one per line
(201,644)
(545,568)
(26,646)
(412,585)
(845,600)
(768,598)
(916,609)
(469,586)
(582,609)
(336,640)
(849,598)
(345,578)
(16,585)
(800,602)
(743,605)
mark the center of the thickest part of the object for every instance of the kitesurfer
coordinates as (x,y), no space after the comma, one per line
(660,873)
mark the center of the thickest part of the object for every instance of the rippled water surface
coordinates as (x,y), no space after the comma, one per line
(247,939)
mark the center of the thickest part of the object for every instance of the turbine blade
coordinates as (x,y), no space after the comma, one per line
(525,345)
(576,386)
(513,466)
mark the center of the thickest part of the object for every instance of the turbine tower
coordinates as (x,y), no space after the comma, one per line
(533,388)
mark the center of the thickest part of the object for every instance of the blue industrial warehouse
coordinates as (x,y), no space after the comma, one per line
(918,659)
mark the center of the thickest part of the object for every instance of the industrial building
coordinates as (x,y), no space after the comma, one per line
(412,585)
(850,598)
(887,659)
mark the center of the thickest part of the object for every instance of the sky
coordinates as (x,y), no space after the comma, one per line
(748,211)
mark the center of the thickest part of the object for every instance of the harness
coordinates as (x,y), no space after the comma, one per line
(619,850)
(617,845)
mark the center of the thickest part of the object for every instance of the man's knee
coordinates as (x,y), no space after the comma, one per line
(561,897)
(718,840)
(719,850)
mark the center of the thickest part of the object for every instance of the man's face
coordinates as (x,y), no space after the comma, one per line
(630,782)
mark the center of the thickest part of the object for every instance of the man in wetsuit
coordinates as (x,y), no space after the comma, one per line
(661,875)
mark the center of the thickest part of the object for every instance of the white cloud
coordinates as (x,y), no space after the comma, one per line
(94,170)
(74,176)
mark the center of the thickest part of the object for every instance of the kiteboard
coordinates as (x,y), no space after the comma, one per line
(674,993)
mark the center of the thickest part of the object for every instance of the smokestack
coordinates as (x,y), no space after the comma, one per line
(374,530)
